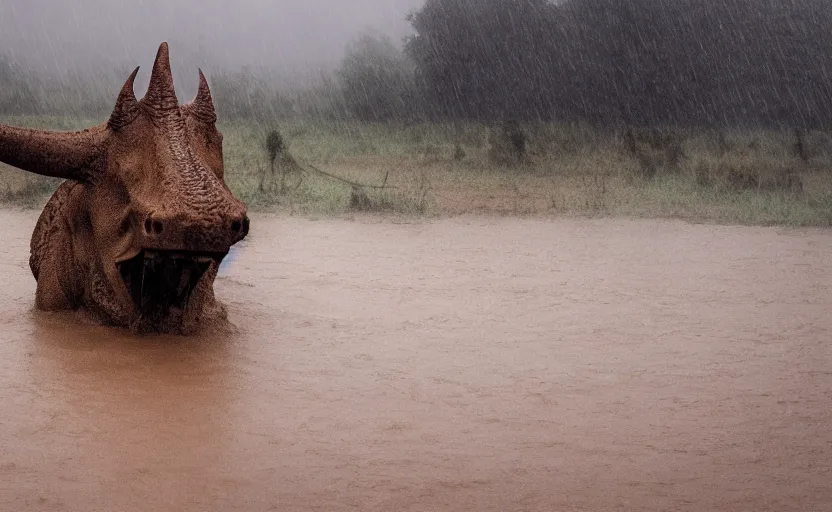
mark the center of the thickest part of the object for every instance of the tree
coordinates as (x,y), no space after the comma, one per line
(377,80)
(243,94)
(632,61)
(485,58)
(17,95)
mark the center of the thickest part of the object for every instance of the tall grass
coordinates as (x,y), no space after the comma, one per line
(747,177)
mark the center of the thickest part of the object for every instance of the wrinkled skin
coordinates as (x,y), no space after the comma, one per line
(136,233)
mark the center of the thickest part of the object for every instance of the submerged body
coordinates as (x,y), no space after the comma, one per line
(136,233)
(69,276)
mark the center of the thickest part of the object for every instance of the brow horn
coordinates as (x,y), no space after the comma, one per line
(127,106)
(202,107)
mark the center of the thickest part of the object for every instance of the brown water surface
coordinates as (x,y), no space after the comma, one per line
(464,364)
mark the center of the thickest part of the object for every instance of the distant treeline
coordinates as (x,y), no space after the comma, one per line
(633,61)
(642,62)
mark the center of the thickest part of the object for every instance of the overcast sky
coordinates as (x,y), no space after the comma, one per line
(285,35)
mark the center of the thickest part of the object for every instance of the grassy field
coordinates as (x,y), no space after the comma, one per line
(755,178)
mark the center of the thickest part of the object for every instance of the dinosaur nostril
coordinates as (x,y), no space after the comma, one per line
(236,225)
(157,227)
(124,227)
(147,225)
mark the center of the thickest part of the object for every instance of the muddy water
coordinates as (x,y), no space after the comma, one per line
(467,364)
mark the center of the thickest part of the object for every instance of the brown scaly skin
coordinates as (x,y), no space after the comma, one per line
(149,179)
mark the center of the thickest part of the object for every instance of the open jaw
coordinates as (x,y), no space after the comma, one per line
(160,282)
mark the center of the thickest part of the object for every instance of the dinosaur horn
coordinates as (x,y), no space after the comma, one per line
(202,106)
(161,96)
(127,107)
(68,155)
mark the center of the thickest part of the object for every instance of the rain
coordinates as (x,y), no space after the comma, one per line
(416,255)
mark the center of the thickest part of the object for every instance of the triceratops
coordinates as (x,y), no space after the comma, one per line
(136,232)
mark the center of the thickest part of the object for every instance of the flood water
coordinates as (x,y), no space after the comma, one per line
(463,364)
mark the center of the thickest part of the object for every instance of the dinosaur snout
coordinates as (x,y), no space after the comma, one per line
(240,225)
(180,232)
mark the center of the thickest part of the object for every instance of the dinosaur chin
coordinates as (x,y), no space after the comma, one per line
(161,283)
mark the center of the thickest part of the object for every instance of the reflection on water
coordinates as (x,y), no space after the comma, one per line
(469,364)
(229,259)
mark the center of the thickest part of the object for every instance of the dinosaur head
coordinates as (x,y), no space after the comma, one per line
(158,213)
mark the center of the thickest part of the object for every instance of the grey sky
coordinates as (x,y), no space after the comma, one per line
(287,36)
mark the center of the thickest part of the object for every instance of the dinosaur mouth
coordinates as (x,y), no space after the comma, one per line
(162,280)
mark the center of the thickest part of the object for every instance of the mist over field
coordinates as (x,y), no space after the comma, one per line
(285,36)
(713,108)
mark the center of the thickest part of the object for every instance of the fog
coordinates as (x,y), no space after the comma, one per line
(289,38)
(642,62)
